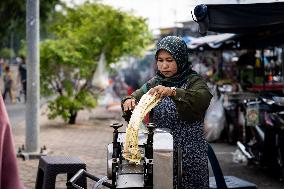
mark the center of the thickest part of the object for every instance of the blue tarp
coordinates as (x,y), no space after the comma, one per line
(211,41)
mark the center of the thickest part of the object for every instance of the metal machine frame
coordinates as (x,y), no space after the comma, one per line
(117,168)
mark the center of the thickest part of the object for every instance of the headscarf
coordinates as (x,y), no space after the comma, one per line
(178,49)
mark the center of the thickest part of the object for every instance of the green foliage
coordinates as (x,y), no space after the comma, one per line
(69,61)
(6,53)
(67,107)
(13,20)
(23,48)
(98,27)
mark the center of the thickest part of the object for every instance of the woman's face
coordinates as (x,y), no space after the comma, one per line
(166,64)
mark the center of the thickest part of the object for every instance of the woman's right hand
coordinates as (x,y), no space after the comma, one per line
(129,104)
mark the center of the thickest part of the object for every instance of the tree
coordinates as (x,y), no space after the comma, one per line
(69,61)
(13,20)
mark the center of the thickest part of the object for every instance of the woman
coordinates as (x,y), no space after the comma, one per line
(185,99)
(8,84)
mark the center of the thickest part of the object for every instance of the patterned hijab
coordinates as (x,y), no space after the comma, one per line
(178,49)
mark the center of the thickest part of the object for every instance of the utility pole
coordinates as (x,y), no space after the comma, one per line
(31,149)
(33,95)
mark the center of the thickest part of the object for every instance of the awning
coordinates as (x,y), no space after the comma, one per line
(211,41)
(259,25)
(246,18)
(188,39)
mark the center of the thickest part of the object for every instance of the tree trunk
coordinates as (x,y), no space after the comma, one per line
(72,119)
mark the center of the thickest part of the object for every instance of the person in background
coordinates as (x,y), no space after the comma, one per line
(8,84)
(129,90)
(1,66)
(185,98)
(22,76)
(9,172)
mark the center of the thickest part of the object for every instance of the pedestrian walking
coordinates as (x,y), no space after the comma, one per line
(1,66)
(8,84)
(22,76)
(185,98)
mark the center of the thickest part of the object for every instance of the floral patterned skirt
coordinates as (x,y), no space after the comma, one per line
(189,138)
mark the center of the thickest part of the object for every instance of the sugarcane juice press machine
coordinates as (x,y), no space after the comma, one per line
(155,170)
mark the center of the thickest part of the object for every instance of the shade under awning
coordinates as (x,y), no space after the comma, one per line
(246,18)
(258,25)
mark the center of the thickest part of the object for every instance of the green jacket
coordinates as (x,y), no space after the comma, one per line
(192,102)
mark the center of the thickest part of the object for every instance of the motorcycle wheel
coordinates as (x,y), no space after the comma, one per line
(280,165)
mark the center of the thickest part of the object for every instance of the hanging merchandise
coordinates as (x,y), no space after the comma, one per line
(252,114)
(100,78)
(214,121)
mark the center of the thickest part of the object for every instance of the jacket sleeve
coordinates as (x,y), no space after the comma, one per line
(137,96)
(139,93)
(144,89)
(192,102)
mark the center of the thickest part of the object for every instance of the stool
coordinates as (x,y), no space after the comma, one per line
(232,182)
(224,182)
(50,166)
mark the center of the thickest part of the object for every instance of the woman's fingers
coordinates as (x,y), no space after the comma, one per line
(151,91)
(155,90)
(133,103)
(126,105)
(161,91)
(129,104)
(164,93)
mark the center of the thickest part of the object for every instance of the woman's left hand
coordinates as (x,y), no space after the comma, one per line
(161,91)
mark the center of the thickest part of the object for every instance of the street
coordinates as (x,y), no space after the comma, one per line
(88,140)
(258,176)
(90,57)
(16,113)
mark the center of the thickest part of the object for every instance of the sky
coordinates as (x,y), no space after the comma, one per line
(164,13)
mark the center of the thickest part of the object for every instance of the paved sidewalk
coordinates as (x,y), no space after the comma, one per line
(87,140)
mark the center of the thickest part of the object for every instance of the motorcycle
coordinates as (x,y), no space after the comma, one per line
(232,99)
(263,133)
